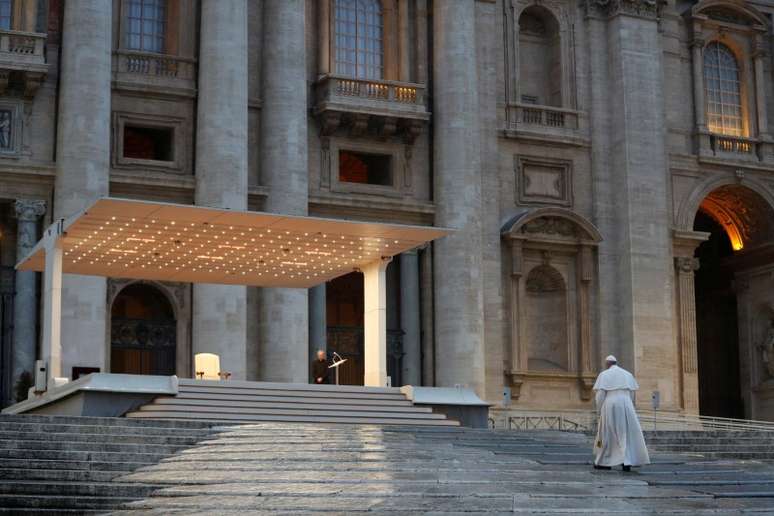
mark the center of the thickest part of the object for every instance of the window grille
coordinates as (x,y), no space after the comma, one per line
(722,86)
(146,25)
(358,40)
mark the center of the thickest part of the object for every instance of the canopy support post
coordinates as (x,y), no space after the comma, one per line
(52,302)
(375,322)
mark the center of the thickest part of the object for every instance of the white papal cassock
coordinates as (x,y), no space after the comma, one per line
(619,435)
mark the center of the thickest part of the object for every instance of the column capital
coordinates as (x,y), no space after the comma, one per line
(29,210)
(686,264)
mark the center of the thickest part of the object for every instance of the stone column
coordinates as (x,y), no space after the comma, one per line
(699,107)
(375,323)
(25,305)
(409,318)
(759,57)
(427,312)
(83,166)
(458,296)
(634,213)
(284,326)
(219,311)
(684,245)
(318,324)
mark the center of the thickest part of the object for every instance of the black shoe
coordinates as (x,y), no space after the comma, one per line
(626,468)
(601,467)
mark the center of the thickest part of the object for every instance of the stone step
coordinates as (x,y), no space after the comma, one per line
(115,446)
(248,418)
(54,501)
(81,456)
(62,488)
(332,411)
(188,383)
(170,440)
(62,474)
(52,464)
(289,402)
(113,430)
(101,422)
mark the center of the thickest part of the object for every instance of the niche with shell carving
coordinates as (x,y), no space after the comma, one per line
(553,253)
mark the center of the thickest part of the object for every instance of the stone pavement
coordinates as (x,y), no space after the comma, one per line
(294,468)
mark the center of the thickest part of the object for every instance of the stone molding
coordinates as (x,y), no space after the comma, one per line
(642,8)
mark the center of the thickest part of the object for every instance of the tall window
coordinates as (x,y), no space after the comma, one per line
(5,14)
(721,81)
(540,59)
(146,25)
(358,38)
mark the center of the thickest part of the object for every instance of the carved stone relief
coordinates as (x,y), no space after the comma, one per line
(543,181)
(550,226)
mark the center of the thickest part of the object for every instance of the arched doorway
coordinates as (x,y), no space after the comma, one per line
(143,333)
(739,222)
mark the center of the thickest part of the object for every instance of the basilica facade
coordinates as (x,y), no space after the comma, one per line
(606,166)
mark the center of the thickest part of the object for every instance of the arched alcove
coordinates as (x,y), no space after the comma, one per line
(540,57)
(553,270)
(143,332)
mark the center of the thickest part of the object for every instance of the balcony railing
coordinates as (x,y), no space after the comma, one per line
(521,115)
(29,46)
(382,91)
(733,144)
(156,65)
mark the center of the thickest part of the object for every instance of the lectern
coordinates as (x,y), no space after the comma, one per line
(337,361)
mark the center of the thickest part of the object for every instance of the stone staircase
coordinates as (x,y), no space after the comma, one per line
(744,445)
(249,402)
(67,465)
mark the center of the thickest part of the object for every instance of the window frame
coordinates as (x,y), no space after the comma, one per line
(121,119)
(397,164)
(164,38)
(383,40)
(744,127)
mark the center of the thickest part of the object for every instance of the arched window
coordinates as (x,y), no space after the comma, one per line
(722,84)
(540,75)
(146,25)
(359,38)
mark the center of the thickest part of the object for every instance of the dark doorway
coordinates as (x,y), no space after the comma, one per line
(344,311)
(143,334)
(716,321)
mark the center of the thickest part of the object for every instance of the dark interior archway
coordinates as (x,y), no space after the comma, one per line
(716,324)
(143,335)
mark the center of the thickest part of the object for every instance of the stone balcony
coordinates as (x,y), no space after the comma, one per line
(535,122)
(386,107)
(148,71)
(735,148)
(22,60)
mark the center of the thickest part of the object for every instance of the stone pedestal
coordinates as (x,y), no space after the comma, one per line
(284,312)
(25,305)
(409,318)
(220,311)
(83,166)
(458,295)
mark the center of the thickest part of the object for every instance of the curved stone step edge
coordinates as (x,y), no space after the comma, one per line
(214,409)
(288,406)
(311,420)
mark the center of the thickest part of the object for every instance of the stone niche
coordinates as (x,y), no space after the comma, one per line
(553,283)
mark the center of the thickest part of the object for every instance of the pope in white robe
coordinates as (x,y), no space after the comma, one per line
(619,438)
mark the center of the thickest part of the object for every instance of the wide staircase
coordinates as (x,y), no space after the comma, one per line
(715,444)
(249,402)
(68,465)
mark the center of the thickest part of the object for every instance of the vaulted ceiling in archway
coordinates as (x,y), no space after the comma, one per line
(746,217)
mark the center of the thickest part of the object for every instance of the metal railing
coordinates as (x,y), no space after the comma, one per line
(658,420)
(650,420)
